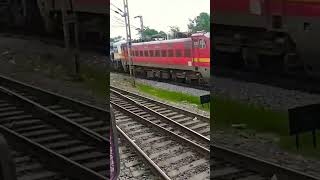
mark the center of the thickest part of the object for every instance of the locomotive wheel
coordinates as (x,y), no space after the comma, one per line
(188,80)
(173,76)
(251,59)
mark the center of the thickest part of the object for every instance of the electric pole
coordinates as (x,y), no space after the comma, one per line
(71,26)
(128,30)
(142,28)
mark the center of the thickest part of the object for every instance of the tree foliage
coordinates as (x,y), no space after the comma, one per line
(148,32)
(176,33)
(163,34)
(200,23)
(174,29)
(116,39)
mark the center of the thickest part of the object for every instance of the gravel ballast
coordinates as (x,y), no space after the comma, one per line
(264,147)
(259,145)
(267,96)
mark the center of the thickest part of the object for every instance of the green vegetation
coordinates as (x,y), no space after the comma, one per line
(226,112)
(116,39)
(200,23)
(171,95)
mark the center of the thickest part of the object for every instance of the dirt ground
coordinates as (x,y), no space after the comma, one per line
(51,68)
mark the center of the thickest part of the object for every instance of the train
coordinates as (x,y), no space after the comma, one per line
(282,35)
(185,59)
(50,16)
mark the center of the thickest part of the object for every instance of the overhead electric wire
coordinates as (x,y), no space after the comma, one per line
(116,7)
(121,20)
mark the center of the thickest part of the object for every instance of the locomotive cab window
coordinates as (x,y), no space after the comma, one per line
(164,53)
(202,44)
(141,53)
(195,44)
(146,53)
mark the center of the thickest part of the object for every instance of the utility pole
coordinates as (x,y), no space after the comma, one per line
(142,27)
(71,26)
(128,30)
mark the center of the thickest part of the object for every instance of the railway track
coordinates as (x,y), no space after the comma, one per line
(131,158)
(172,150)
(227,164)
(189,123)
(70,137)
(28,167)
(204,87)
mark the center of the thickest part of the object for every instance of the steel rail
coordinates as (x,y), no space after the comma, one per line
(259,165)
(177,109)
(69,168)
(201,149)
(166,119)
(56,119)
(155,168)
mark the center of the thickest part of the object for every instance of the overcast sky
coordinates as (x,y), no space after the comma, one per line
(157,14)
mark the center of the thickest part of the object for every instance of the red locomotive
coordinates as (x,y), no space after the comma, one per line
(276,33)
(90,15)
(187,59)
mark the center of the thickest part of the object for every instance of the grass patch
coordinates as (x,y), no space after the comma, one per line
(172,95)
(226,112)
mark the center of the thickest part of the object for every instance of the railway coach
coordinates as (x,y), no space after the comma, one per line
(186,59)
(51,15)
(282,34)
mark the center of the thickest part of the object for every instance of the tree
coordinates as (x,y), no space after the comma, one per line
(174,29)
(116,39)
(148,33)
(176,33)
(200,23)
(163,34)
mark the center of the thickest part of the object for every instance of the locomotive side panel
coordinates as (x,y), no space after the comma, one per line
(303,26)
(91,15)
(161,57)
(288,28)
(172,59)
(92,6)
(201,54)
(88,6)
(245,13)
